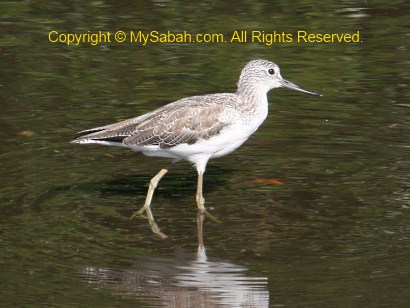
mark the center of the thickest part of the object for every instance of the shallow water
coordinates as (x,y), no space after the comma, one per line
(314,207)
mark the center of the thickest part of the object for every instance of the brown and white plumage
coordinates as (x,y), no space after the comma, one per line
(184,121)
(197,128)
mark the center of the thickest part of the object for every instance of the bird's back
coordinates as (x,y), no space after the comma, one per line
(184,121)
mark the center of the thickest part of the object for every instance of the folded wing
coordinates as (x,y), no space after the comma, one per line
(184,121)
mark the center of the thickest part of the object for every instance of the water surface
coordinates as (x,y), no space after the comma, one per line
(314,207)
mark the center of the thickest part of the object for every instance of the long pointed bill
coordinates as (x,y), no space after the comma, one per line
(288,84)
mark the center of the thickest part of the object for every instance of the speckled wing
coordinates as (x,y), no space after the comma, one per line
(184,121)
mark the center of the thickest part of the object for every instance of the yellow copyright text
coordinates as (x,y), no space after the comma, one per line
(79,38)
(144,38)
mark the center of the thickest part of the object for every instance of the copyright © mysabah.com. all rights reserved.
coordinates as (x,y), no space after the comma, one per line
(145,38)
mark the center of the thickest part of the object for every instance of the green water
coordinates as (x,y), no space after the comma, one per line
(314,207)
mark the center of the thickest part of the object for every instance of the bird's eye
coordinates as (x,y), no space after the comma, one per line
(271,71)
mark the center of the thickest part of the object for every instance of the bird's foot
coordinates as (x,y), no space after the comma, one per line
(209,215)
(200,202)
(139,212)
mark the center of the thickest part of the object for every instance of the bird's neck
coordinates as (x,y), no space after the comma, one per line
(254,103)
(253,96)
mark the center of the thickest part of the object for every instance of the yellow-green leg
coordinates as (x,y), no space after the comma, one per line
(147,206)
(200,201)
(152,185)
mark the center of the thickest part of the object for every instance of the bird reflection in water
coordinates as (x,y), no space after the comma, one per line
(185,280)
